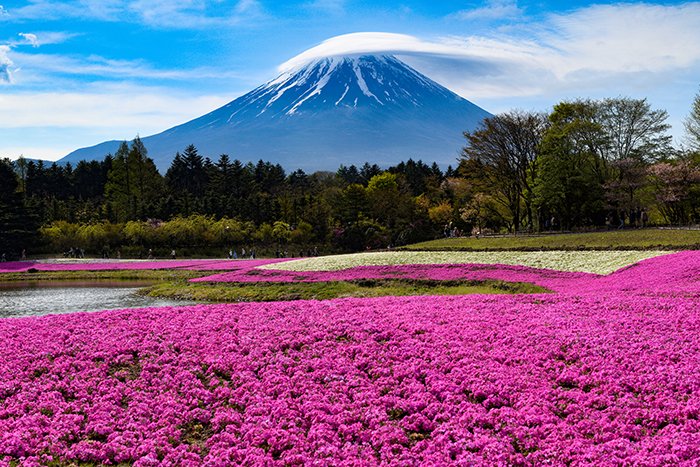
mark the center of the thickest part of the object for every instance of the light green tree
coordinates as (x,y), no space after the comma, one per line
(568,186)
(692,125)
(134,186)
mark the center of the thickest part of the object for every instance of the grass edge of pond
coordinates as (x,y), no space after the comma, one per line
(175,285)
(116,275)
(285,291)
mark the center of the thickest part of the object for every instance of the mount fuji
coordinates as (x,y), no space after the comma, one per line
(330,111)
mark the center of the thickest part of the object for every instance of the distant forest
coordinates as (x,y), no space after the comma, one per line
(589,164)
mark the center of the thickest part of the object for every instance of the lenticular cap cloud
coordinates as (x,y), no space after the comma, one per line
(367,43)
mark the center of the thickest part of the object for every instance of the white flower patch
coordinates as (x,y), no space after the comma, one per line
(596,262)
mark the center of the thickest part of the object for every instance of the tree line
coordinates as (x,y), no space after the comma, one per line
(588,164)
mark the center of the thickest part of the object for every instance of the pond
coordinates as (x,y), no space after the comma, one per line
(54,297)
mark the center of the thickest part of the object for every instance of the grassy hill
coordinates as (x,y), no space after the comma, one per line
(638,239)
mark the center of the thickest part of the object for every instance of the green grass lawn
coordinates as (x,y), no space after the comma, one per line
(633,239)
(156,275)
(271,291)
(174,284)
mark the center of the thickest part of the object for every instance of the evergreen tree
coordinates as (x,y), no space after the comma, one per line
(119,192)
(147,182)
(196,172)
(134,185)
(368,171)
(219,187)
(349,175)
(188,180)
(17,225)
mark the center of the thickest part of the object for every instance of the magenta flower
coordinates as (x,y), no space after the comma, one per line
(606,371)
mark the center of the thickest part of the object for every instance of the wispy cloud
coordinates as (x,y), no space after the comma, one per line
(5,65)
(626,38)
(30,39)
(7,68)
(248,7)
(174,14)
(92,115)
(494,10)
(40,9)
(193,14)
(36,39)
(37,67)
(327,6)
(133,108)
(591,47)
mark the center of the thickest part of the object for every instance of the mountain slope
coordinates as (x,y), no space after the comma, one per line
(336,110)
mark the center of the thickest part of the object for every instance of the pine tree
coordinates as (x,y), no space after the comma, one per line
(134,185)
(17,224)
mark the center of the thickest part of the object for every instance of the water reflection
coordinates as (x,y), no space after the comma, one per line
(41,298)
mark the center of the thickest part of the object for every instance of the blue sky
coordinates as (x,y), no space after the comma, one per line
(75,73)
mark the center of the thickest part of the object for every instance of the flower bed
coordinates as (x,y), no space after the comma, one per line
(606,371)
(596,262)
(88,265)
(677,273)
(555,280)
(488,380)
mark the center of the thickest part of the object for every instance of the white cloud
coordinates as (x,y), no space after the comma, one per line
(166,13)
(494,9)
(142,110)
(30,39)
(483,56)
(175,14)
(590,47)
(637,50)
(248,7)
(106,10)
(37,39)
(192,14)
(367,42)
(7,69)
(42,9)
(52,153)
(5,65)
(52,37)
(627,38)
(327,6)
(3,11)
(59,122)
(43,68)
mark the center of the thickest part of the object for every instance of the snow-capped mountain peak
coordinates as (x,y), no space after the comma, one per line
(326,112)
(344,81)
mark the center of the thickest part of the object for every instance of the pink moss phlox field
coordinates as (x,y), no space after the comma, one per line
(606,371)
(438,272)
(677,273)
(194,264)
(486,380)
